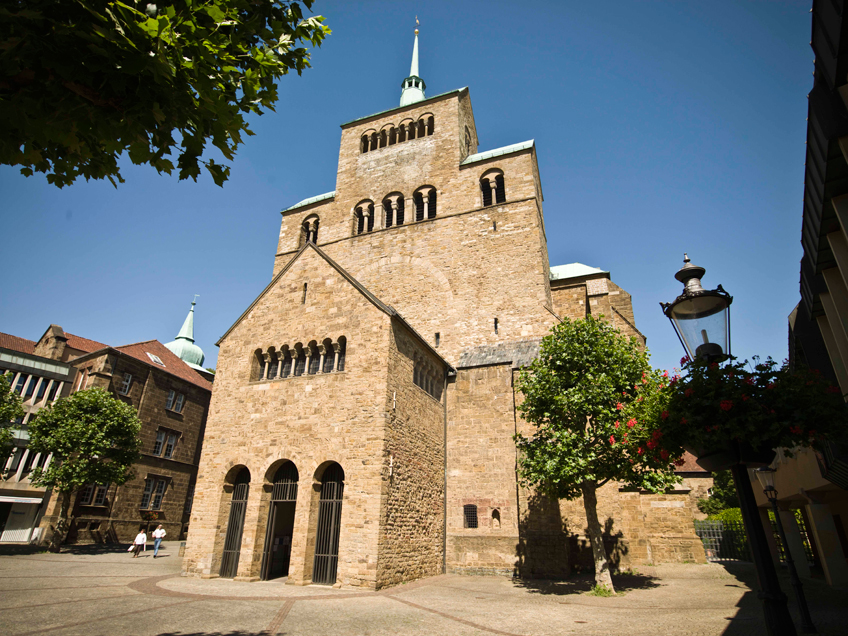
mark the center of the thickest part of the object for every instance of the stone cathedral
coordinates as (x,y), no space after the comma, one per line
(362,418)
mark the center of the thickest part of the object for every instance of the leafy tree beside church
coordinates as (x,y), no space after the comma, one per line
(593,398)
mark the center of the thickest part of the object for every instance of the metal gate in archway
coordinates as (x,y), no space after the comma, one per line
(326,561)
(235,525)
(276,555)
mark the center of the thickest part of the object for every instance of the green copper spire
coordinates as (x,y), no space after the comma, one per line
(183,346)
(413,86)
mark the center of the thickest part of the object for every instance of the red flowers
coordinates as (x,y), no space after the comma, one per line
(612,440)
(651,444)
(683,420)
(656,434)
(714,365)
(679,461)
(688,392)
(726,405)
(631,423)
(684,360)
(664,415)
(616,423)
(664,454)
(795,430)
(640,451)
(665,374)
(619,406)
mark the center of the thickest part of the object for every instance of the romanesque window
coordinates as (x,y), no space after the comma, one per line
(364,216)
(431,125)
(342,345)
(469,514)
(285,362)
(496,519)
(492,187)
(425,203)
(363,144)
(300,361)
(328,355)
(314,358)
(384,139)
(393,207)
(309,230)
(297,360)
(424,376)
(273,364)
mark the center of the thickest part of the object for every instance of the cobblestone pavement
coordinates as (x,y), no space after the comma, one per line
(97,591)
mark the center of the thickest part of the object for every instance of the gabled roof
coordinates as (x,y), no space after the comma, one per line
(574,270)
(8,341)
(497,152)
(83,344)
(384,112)
(379,304)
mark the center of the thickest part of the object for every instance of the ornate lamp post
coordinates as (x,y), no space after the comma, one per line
(766,477)
(701,319)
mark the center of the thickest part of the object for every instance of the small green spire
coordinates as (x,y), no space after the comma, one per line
(183,345)
(413,86)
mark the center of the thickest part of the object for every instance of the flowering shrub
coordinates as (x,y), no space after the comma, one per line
(764,406)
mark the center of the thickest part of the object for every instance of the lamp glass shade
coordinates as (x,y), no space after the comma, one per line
(702,323)
(766,477)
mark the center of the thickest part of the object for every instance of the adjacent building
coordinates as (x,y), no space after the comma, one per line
(171,395)
(362,419)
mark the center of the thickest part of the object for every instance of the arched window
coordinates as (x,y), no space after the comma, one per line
(299,360)
(363,144)
(401,134)
(431,125)
(496,519)
(360,221)
(257,367)
(418,198)
(329,356)
(392,136)
(384,139)
(501,190)
(393,206)
(364,217)
(309,229)
(431,206)
(273,364)
(340,362)
(314,358)
(411,134)
(469,514)
(285,362)
(422,128)
(486,189)
(373,141)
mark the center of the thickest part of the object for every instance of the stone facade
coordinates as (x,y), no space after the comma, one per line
(461,291)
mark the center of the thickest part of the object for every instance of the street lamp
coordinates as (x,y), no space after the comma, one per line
(701,319)
(766,477)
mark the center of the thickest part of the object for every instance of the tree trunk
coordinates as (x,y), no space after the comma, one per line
(602,568)
(63,525)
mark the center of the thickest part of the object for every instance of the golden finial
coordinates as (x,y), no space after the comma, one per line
(417,24)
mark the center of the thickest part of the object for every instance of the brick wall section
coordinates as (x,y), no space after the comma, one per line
(481,469)
(412,518)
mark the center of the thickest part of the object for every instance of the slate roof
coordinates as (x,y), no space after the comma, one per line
(519,354)
(8,341)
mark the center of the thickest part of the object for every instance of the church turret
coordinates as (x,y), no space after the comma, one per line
(183,346)
(413,86)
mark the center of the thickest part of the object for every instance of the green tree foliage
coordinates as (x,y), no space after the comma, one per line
(82,81)
(593,399)
(93,438)
(764,406)
(722,494)
(11,411)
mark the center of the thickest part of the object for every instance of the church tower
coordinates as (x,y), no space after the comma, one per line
(364,406)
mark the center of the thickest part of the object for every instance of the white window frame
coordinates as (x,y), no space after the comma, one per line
(170,401)
(126,384)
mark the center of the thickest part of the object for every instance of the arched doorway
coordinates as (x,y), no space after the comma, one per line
(326,561)
(278,534)
(235,524)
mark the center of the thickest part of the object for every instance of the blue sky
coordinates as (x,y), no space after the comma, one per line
(661,127)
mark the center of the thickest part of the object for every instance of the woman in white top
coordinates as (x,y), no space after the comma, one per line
(139,542)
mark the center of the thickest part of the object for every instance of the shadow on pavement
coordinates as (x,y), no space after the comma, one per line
(579,584)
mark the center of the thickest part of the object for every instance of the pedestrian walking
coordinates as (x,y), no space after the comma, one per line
(158,535)
(139,542)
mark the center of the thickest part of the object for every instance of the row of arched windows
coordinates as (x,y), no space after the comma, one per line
(391,134)
(392,211)
(309,230)
(293,361)
(425,376)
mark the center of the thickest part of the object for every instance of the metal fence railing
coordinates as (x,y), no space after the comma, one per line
(723,540)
